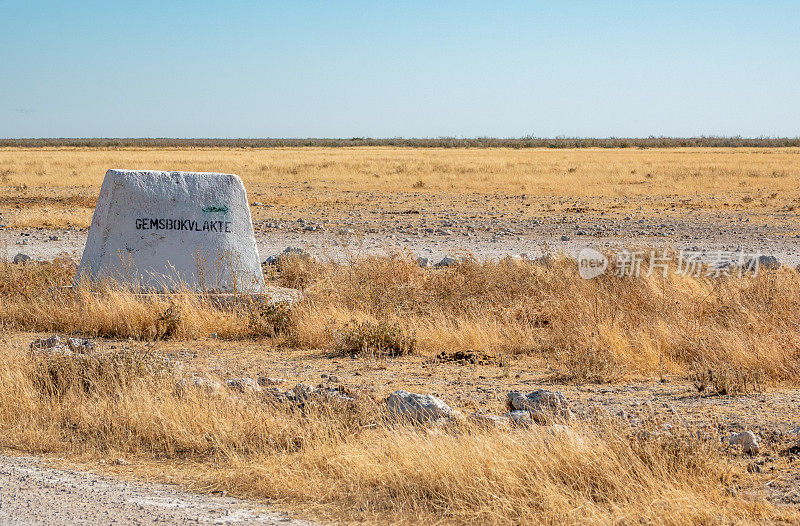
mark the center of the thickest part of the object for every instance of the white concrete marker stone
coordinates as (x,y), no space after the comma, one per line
(170,231)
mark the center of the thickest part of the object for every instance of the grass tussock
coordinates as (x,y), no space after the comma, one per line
(105,374)
(582,330)
(346,465)
(373,339)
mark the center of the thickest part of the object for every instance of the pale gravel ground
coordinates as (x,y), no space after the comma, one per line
(331,245)
(32,493)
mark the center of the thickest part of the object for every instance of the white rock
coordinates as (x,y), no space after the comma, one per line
(543,405)
(243,385)
(21,259)
(56,345)
(78,345)
(520,418)
(266,381)
(490,421)
(200,383)
(747,440)
(288,253)
(303,391)
(418,408)
(446,261)
(172,231)
(47,343)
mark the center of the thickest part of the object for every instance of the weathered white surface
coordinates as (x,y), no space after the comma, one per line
(541,404)
(418,408)
(172,231)
(748,441)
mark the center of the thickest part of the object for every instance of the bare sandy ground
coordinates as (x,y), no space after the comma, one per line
(32,493)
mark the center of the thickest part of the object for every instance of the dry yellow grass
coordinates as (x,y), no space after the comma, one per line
(352,464)
(57,187)
(338,465)
(347,465)
(598,330)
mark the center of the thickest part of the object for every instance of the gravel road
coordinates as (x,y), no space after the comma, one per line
(32,493)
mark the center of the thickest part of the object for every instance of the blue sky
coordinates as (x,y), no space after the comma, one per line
(413,69)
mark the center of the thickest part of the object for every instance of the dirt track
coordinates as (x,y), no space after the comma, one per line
(31,493)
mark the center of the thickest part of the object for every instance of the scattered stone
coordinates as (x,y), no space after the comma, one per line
(490,421)
(48,343)
(304,394)
(446,261)
(21,259)
(53,238)
(56,344)
(468,357)
(199,383)
(520,418)
(419,408)
(243,385)
(768,262)
(288,252)
(78,345)
(543,405)
(266,381)
(747,440)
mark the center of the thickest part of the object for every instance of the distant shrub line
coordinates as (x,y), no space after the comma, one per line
(439,142)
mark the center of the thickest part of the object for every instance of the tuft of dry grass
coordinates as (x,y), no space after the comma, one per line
(348,465)
(373,339)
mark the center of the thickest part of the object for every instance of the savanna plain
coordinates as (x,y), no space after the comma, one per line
(286,404)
